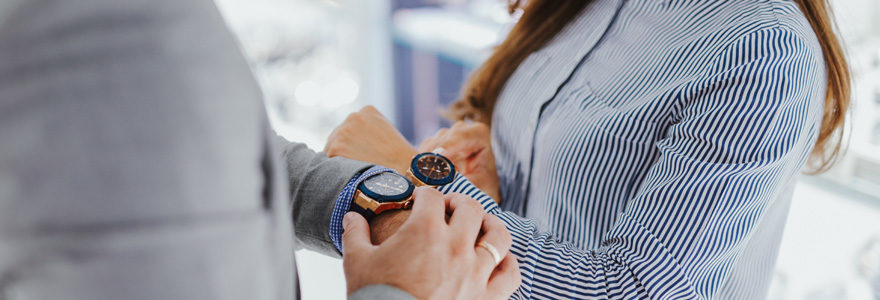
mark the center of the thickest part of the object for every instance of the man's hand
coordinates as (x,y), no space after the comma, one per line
(386,224)
(368,136)
(430,258)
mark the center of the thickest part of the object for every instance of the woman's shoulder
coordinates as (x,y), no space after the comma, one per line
(737,32)
(791,19)
(778,19)
(729,22)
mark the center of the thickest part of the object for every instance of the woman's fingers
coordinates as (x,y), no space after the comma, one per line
(505,279)
(462,130)
(434,141)
(459,146)
(496,235)
(457,135)
(441,133)
(458,125)
(466,219)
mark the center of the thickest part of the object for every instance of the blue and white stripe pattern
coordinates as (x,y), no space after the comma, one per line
(650,149)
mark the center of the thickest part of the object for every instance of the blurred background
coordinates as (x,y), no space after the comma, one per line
(319,60)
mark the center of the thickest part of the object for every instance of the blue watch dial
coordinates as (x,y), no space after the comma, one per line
(387,187)
(433,169)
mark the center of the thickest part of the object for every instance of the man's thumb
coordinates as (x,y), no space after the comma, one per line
(356,233)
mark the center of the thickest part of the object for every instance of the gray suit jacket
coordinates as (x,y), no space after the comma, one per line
(136,161)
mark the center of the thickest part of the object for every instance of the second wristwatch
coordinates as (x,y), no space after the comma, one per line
(431,169)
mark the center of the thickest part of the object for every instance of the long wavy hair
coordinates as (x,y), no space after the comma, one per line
(541,20)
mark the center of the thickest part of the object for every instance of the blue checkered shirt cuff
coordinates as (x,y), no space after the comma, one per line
(343,203)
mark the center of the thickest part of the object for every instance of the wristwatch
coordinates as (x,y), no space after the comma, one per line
(380,192)
(431,169)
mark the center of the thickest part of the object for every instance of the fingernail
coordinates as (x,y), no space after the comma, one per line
(439,150)
(347,219)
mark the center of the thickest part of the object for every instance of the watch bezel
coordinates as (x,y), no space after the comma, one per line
(413,167)
(385,198)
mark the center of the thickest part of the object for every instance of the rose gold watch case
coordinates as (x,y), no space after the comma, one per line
(415,180)
(378,207)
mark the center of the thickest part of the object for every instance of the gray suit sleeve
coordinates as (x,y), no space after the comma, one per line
(133,150)
(315,183)
(380,291)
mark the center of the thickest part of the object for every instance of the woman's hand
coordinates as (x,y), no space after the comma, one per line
(469,146)
(431,258)
(367,136)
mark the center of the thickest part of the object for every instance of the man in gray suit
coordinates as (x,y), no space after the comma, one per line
(136,162)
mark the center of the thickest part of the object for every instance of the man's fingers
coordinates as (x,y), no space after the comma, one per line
(505,279)
(496,234)
(356,234)
(428,206)
(466,219)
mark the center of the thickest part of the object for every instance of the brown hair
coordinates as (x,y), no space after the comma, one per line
(541,20)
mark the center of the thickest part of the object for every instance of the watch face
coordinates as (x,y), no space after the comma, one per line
(433,167)
(387,184)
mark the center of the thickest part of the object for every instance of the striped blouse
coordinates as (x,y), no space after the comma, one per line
(650,149)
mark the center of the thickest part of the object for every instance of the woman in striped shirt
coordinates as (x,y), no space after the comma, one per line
(644,148)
